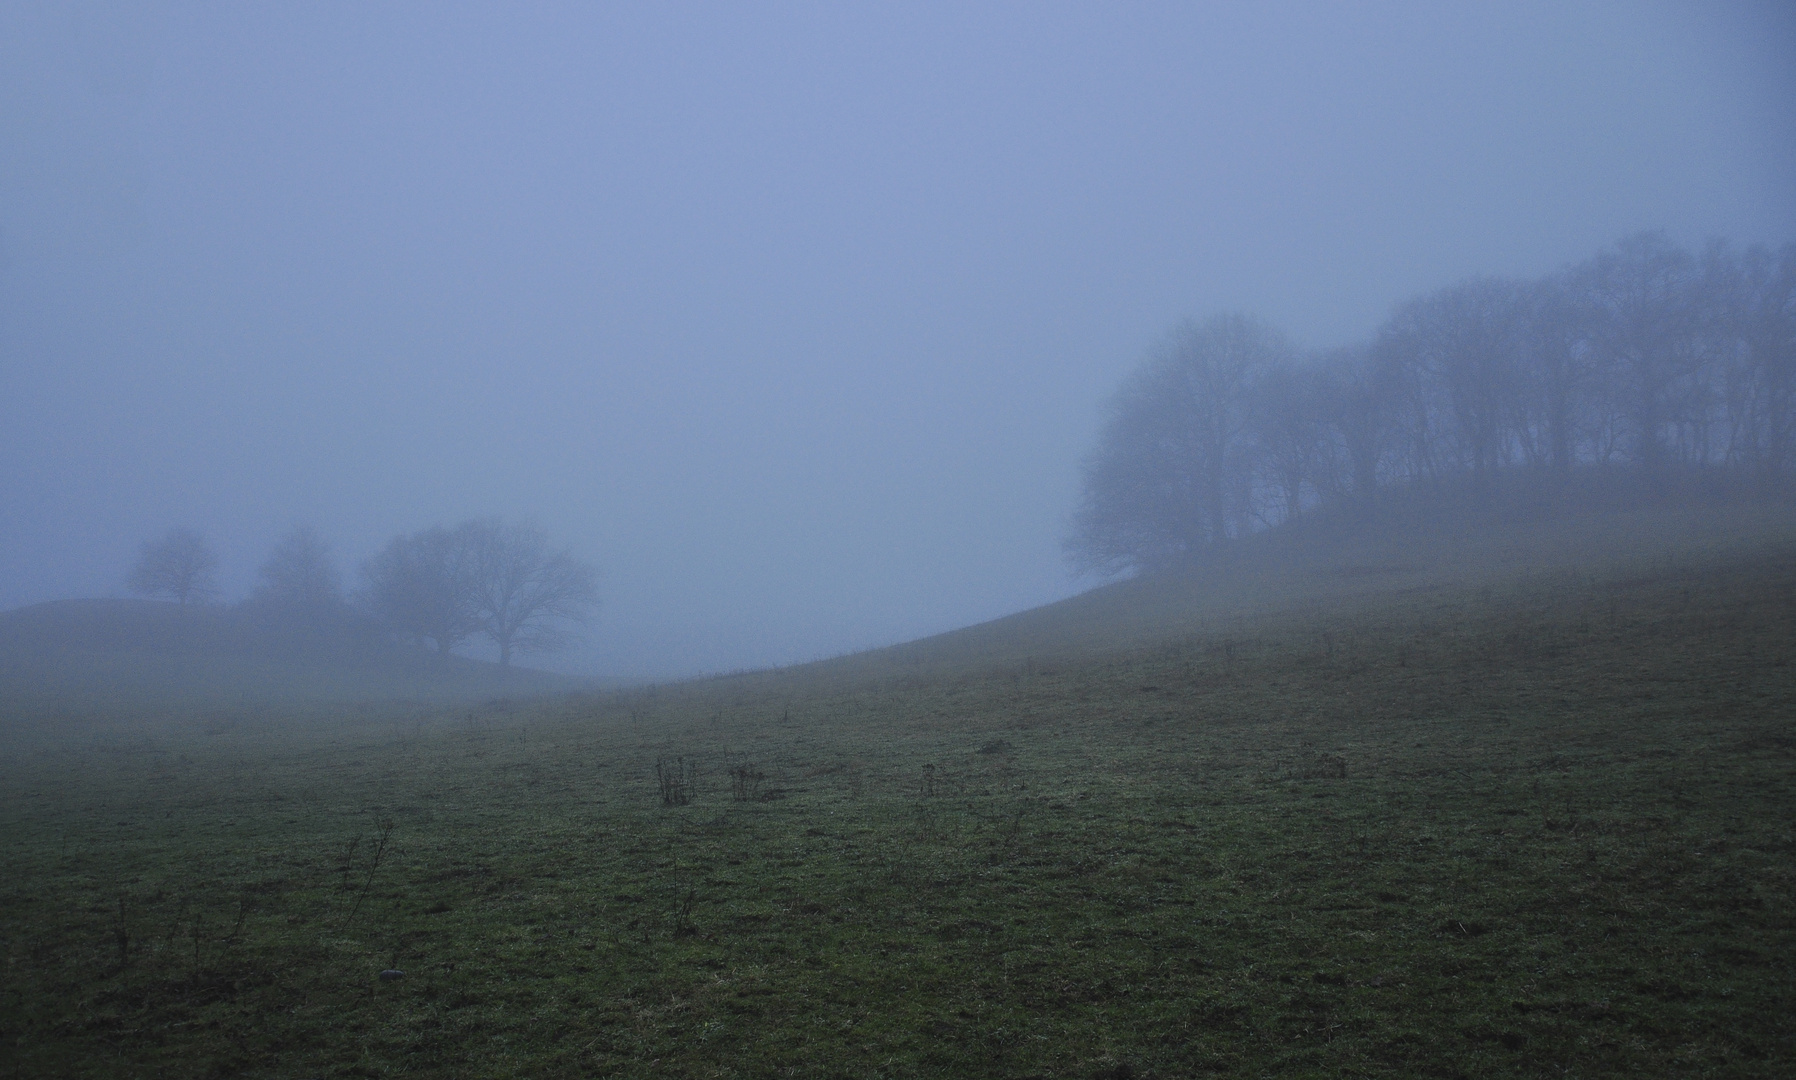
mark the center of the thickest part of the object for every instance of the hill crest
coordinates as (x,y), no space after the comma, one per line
(76,653)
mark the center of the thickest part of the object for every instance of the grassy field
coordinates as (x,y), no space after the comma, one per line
(1405,819)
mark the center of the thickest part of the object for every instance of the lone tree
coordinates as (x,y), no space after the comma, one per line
(420,586)
(180,565)
(526,595)
(482,577)
(299,574)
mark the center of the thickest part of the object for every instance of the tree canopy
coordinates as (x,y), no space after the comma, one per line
(299,574)
(1166,477)
(181,566)
(444,586)
(1644,356)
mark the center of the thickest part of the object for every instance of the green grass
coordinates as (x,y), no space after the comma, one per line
(1516,824)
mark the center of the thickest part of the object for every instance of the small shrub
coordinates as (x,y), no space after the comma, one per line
(745,782)
(682,915)
(381,840)
(675,780)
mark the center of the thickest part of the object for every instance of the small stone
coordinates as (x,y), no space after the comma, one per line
(391,975)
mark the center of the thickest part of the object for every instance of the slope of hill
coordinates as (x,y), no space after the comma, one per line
(1408,548)
(1502,798)
(134,655)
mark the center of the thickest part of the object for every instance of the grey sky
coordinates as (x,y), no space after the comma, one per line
(796,320)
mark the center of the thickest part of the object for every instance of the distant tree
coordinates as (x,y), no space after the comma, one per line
(421,586)
(1556,378)
(1642,306)
(1174,468)
(299,574)
(1643,356)
(1358,410)
(1454,358)
(527,595)
(1297,449)
(482,577)
(1758,292)
(180,565)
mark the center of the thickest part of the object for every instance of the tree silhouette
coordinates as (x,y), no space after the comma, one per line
(299,574)
(482,577)
(1643,358)
(180,565)
(419,586)
(526,594)
(1173,471)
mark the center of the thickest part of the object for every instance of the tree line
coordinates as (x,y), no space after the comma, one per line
(1645,356)
(439,587)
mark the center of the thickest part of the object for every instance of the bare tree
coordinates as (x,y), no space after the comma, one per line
(1642,355)
(482,577)
(1760,358)
(1555,377)
(180,565)
(1292,436)
(421,586)
(1175,463)
(527,596)
(1455,353)
(1640,298)
(299,574)
(1358,409)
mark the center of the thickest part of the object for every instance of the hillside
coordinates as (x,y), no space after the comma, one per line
(1505,798)
(142,655)
(1342,561)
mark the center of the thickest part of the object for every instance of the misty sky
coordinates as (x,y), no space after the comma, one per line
(796,320)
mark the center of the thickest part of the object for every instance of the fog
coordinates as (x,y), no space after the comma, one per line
(798,321)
